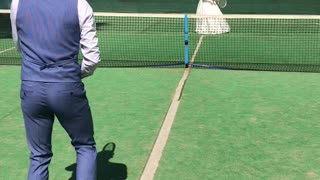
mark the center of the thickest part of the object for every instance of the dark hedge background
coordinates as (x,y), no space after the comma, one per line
(189,6)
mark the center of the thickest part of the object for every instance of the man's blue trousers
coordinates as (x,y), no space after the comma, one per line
(40,103)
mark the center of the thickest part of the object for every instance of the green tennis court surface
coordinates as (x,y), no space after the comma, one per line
(245,125)
(230,124)
(128,107)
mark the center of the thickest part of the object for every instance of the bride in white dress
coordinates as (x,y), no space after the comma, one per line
(208,25)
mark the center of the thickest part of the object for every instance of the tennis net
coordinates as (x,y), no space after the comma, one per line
(253,42)
(258,42)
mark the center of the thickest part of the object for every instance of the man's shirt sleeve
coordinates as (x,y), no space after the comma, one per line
(89,41)
(13,16)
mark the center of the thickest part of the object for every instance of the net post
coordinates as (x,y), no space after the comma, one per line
(186,41)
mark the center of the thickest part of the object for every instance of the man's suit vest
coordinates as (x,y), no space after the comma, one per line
(49,34)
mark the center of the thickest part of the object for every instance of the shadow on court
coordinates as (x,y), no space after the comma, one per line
(106,170)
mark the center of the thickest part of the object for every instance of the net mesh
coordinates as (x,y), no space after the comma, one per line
(240,42)
(130,41)
(278,43)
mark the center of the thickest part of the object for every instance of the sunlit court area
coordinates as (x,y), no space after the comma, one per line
(180,95)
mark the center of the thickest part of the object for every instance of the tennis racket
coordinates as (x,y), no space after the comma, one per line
(222,3)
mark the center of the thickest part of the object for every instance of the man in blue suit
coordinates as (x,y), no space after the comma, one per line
(49,35)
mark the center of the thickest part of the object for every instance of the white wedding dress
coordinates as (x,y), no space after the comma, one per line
(208,25)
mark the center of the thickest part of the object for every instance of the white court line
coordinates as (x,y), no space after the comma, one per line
(156,153)
(7,50)
(197,48)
